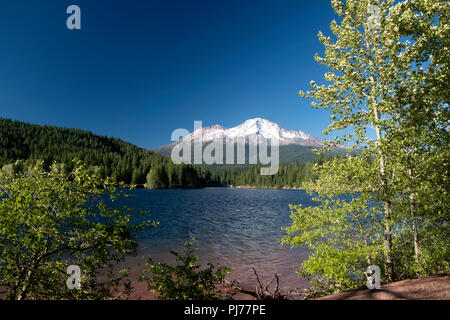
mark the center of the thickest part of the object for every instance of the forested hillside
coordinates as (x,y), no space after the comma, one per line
(288,176)
(124,162)
(109,157)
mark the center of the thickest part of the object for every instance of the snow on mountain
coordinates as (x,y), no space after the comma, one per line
(251,130)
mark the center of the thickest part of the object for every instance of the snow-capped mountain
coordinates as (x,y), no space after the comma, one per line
(251,130)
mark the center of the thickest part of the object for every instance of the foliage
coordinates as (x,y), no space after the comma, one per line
(50,220)
(157,178)
(391,77)
(435,250)
(186,280)
(343,232)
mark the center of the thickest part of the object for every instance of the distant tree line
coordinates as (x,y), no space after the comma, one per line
(288,176)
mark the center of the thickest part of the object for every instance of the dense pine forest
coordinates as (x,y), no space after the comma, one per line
(22,143)
(108,157)
(288,176)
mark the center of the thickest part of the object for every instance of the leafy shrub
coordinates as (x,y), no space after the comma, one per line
(186,280)
(50,220)
(434,255)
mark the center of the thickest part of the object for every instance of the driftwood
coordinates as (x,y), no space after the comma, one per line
(263,293)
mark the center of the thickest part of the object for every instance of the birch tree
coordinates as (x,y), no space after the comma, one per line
(387,89)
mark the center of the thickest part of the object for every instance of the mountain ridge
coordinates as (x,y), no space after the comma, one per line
(294,145)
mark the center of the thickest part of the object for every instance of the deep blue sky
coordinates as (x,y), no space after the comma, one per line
(140,69)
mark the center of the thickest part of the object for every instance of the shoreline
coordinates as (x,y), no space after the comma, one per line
(217,186)
(255,187)
(433,287)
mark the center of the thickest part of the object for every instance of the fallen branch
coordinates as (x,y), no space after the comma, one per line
(263,292)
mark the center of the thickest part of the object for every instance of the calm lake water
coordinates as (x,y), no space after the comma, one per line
(238,228)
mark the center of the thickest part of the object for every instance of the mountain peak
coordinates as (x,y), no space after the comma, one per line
(252,129)
(259,121)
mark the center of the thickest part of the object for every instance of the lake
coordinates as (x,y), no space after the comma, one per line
(238,228)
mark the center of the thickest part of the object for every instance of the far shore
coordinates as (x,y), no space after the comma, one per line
(255,187)
(219,186)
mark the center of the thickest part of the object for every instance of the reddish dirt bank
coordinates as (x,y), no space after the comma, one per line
(435,287)
(141,292)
